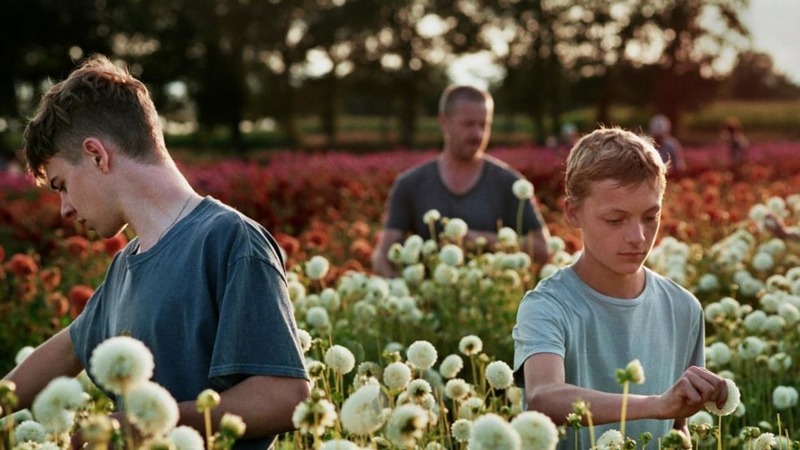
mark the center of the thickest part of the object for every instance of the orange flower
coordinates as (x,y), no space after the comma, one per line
(79,295)
(361,250)
(289,244)
(58,303)
(359,229)
(27,290)
(21,265)
(77,246)
(51,278)
(115,244)
(316,238)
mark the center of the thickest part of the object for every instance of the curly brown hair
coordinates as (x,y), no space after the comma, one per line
(98,99)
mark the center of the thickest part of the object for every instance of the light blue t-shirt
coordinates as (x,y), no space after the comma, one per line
(210,302)
(596,335)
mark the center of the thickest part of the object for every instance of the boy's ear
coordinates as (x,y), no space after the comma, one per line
(96,150)
(571,212)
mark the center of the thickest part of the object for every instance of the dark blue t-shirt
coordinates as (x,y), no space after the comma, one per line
(210,302)
(487,206)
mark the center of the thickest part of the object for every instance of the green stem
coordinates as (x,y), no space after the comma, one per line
(207,420)
(624,408)
(520,210)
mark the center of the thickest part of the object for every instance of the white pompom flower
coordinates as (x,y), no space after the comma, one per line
(362,413)
(396,375)
(340,359)
(407,425)
(457,389)
(186,438)
(507,236)
(523,189)
(734,397)
(121,362)
(536,430)
(317,267)
(339,444)
(470,345)
(455,228)
(421,355)
(317,317)
(611,439)
(431,217)
(304,339)
(151,408)
(451,365)
(23,353)
(784,397)
(452,255)
(30,431)
(56,404)
(461,430)
(499,375)
(492,432)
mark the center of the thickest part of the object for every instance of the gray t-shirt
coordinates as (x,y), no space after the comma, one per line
(210,302)
(596,335)
(489,205)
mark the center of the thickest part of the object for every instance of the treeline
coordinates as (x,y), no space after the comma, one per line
(219,63)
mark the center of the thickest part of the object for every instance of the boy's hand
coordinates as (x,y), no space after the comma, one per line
(689,394)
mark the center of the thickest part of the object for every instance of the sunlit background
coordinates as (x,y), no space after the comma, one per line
(366,73)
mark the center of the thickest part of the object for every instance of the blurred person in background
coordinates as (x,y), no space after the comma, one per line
(461,182)
(734,137)
(668,147)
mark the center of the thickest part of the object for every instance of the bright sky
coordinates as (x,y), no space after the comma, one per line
(775,29)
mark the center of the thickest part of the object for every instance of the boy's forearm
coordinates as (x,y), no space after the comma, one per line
(265,404)
(55,357)
(558,402)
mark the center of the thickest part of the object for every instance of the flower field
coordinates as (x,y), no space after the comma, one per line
(422,361)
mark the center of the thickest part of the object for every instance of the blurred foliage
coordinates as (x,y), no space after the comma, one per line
(215,64)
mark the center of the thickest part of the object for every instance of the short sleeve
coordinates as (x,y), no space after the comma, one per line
(540,328)
(256,330)
(399,216)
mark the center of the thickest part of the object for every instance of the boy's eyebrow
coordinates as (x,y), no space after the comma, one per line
(620,210)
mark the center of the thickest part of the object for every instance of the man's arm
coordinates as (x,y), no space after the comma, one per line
(265,403)
(380,259)
(548,393)
(55,357)
(535,244)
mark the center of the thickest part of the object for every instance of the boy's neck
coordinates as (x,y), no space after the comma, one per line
(611,284)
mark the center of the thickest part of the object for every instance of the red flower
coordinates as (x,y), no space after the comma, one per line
(115,244)
(77,246)
(79,295)
(51,278)
(289,244)
(59,303)
(21,265)
(361,250)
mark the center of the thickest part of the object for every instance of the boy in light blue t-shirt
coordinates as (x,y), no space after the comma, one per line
(605,310)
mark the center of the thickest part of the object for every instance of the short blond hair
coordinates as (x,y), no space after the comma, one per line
(612,154)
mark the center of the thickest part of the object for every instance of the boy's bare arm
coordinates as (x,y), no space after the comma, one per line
(265,404)
(55,357)
(547,392)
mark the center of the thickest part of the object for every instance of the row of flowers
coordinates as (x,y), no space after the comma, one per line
(748,281)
